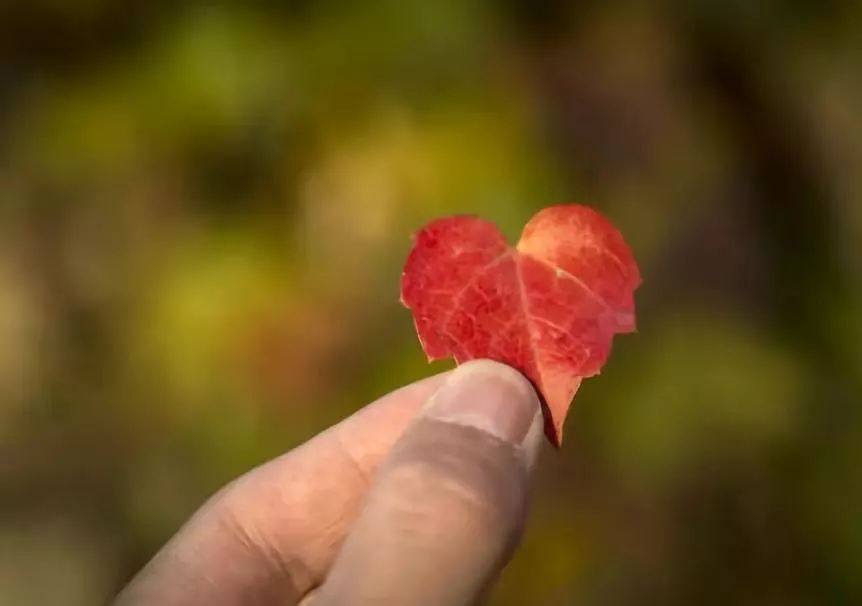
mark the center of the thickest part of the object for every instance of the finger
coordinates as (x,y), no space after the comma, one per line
(447,506)
(271,535)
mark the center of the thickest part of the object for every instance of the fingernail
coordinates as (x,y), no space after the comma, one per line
(489,396)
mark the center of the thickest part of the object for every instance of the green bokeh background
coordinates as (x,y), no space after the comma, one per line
(204,209)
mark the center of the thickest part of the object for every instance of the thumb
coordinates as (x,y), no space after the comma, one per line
(447,507)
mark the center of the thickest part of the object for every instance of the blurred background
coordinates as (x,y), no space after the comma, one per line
(204,209)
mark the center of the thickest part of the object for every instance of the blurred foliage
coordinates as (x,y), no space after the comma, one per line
(204,207)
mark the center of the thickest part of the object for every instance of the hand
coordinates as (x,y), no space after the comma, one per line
(418,498)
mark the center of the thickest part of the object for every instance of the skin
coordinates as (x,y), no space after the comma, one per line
(419,498)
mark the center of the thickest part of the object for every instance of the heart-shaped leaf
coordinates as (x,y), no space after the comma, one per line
(549,306)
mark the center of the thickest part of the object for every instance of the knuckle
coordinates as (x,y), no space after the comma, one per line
(429,485)
(457,481)
(245,530)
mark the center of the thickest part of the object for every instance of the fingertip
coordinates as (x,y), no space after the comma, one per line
(489,396)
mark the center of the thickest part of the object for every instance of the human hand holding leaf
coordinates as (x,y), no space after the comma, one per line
(548,307)
(309,526)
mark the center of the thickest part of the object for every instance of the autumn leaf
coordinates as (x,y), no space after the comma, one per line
(549,306)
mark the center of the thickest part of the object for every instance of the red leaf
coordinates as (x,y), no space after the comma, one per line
(549,306)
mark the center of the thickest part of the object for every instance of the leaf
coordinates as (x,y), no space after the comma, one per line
(548,307)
